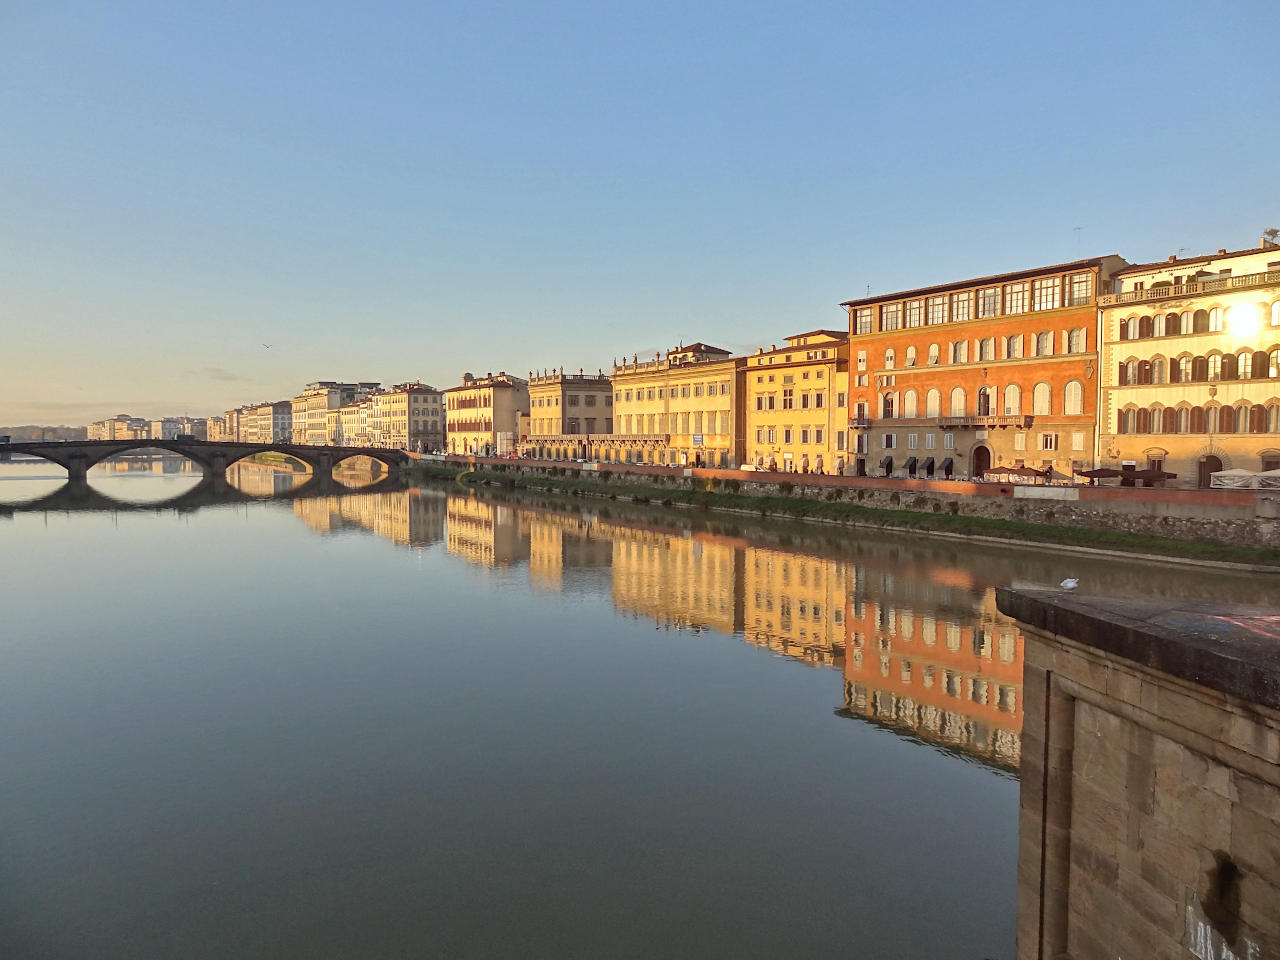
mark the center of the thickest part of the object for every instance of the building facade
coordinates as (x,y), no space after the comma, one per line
(797,406)
(309,416)
(408,416)
(953,380)
(682,409)
(120,427)
(566,412)
(1191,366)
(482,414)
(267,423)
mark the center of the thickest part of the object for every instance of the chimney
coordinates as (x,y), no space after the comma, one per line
(1222,251)
(1173,257)
(1265,244)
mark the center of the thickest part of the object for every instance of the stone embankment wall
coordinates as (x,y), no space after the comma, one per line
(1239,517)
(1150,783)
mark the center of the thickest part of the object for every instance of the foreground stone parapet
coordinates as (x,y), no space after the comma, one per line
(1150,786)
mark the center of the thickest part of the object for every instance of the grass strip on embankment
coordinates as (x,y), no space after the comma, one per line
(842,511)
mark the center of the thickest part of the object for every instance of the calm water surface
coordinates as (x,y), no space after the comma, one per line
(421,723)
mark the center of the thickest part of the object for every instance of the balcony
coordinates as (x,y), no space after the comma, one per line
(971,421)
(1244,282)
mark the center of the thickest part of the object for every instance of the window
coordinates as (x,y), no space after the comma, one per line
(889,441)
(934,355)
(684,390)
(1045,294)
(915,313)
(773,434)
(987,349)
(842,399)
(886,406)
(788,398)
(804,434)
(804,400)
(1073,398)
(948,441)
(1215,320)
(929,441)
(1076,340)
(891,316)
(1044,343)
(697,389)
(819,400)
(910,359)
(862,320)
(933,403)
(889,359)
(1013,348)
(988,302)
(957,402)
(913,440)
(960,351)
(961,307)
(862,359)
(1079,289)
(909,404)
(1077,441)
(936,310)
(819,435)
(1015,297)
(760,402)
(1048,441)
(1042,400)
(1019,441)
(1012,400)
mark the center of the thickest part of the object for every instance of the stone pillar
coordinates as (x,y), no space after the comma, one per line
(77,468)
(1150,781)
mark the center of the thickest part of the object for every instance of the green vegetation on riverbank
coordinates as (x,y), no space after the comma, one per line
(724,495)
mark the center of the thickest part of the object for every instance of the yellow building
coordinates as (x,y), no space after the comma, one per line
(797,404)
(565,411)
(1191,366)
(483,414)
(683,409)
(408,416)
(310,409)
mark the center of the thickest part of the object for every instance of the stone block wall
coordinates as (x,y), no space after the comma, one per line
(1150,783)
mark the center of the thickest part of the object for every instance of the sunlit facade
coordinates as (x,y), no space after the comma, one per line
(1191,366)
(952,380)
(483,414)
(567,411)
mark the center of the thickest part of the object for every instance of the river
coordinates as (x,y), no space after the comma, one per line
(427,722)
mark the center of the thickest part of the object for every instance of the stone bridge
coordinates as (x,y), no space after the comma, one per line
(213,457)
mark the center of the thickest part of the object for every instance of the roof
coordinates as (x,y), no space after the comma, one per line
(979,281)
(697,348)
(1166,264)
(839,334)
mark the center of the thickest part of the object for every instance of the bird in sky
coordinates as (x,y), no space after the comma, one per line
(268,345)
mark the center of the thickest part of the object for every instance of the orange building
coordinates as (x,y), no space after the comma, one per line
(952,380)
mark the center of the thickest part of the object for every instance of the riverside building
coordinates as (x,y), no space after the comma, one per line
(1191,365)
(951,380)
(483,414)
(566,412)
(684,408)
(797,409)
(310,409)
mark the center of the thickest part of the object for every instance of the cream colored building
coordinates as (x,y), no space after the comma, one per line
(566,411)
(1191,365)
(267,423)
(681,409)
(120,427)
(483,533)
(483,414)
(797,404)
(408,416)
(794,603)
(310,409)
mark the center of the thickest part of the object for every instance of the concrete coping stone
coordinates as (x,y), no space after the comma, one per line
(1229,649)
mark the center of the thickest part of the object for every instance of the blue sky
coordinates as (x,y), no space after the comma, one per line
(395,191)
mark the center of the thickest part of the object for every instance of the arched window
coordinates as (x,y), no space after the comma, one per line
(909,404)
(1214,367)
(984,401)
(1199,369)
(1144,371)
(1013,347)
(1273,364)
(1244,365)
(1170,420)
(1230,367)
(960,351)
(1124,422)
(957,402)
(1126,328)
(1012,400)
(1157,370)
(1273,418)
(910,359)
(1157,419)
(1197,420)
(1042,399)
(886,406)
(1226,420)
(1145,328)
(1130,372)
(1142,420)
(1076,342)
(987,349)
(1215,319)
(1044,343)
(933,403)
(1275,314)
(1073,398)
(1157,325)
(934,355)
(889,359)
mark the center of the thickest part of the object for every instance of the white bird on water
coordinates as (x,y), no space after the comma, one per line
(1069,584)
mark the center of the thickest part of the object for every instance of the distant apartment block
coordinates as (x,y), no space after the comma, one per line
(309,411)
(120,427)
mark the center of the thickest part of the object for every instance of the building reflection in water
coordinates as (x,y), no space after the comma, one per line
(922,649)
